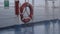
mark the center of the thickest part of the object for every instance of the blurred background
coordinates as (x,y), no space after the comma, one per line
(46,12)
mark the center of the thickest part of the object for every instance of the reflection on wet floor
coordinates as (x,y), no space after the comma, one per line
(48,27)
(47,12)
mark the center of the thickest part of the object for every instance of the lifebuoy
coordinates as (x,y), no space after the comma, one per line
(26,4)
(16,7)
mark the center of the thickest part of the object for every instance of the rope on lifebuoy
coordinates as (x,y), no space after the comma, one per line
(26,4)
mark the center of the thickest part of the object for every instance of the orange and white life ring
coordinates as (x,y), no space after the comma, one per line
(26,4)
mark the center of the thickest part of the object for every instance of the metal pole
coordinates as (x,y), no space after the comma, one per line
(33,9)
(25,0)
(53,17)
(53,8)
(47,24)
(46,9)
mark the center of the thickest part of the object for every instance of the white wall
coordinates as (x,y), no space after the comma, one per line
(8,16)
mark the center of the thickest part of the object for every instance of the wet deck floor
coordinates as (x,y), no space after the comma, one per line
(44,27)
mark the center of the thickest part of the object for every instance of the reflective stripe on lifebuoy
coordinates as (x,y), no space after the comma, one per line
(16,7)
(26,4)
